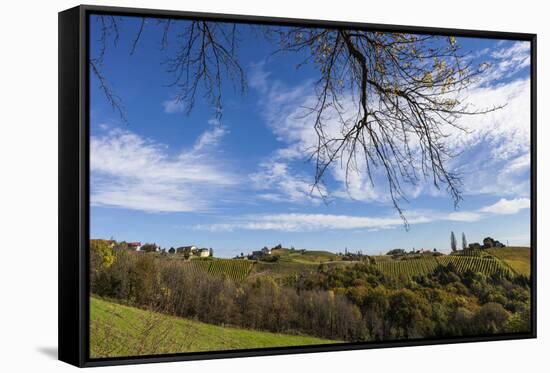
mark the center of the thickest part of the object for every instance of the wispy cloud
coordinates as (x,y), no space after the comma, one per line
(133,172)
(304,222)
(173,106)
(512,59)
(493,157)
(464,216)
(507,207)
(258,77)
(211,138)
(502,207)
(277,183)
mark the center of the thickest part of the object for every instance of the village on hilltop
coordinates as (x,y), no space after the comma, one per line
(187,251)
(266,253)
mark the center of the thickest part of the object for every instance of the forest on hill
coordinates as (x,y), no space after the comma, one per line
(373,299)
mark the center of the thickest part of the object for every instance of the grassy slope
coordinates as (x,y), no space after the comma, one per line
(118,330)
(309,256)
(518,258)
(294,263)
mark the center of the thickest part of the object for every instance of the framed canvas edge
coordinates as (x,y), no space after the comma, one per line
(71,288)
(74,108)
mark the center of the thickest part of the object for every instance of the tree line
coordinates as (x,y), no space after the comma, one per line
(348,303)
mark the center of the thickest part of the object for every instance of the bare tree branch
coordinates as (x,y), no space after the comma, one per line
(406,91)
(138,36)
(394,98)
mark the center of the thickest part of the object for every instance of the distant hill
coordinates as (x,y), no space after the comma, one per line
(424,265)
(513,260)
(305,256)
(118,330)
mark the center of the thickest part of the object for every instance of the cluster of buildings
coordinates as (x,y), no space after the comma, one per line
(188,251)
(191,251)
(256,254)
(134,246)
(488,242)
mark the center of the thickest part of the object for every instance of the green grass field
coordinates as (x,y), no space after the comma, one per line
(517,258)
(118,330)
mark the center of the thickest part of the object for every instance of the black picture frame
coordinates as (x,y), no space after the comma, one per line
(74,185)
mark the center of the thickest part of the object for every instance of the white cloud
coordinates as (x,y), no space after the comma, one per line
(510,123)
(258,76)
(465,216)
(132,172)
(283,185)
(519,50)
(210,138)
(287,115)
(507,207)
(493,157)
(509,60)
(173,106)
(502,207)
(306,222)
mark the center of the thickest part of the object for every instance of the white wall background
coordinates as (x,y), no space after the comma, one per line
(28,185)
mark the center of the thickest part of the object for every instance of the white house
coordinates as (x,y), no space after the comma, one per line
(134,245)
(203,253)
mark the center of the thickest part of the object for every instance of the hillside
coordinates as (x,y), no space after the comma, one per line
(234,269)
(517,258)
(424,265)
(488,262)
(514,260)
(305,256)
(298,261)
(118,330)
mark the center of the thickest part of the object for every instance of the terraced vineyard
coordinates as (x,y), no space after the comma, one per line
(407,268)
(422,266)
(485,265)
(238,270)
(234,269)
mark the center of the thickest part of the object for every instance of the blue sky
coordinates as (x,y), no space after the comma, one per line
(176,179)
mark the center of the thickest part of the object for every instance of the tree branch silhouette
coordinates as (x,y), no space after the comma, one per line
(393,97)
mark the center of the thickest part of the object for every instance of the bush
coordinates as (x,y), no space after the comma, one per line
(269,258)
(491,318)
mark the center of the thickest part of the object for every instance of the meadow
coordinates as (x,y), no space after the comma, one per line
(121,330)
